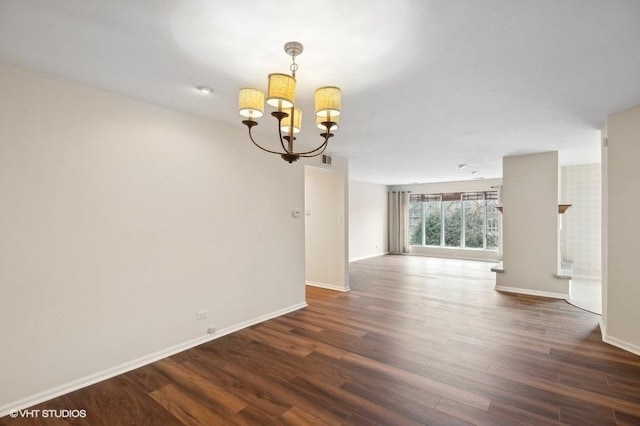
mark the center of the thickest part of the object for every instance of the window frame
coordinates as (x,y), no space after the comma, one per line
(460,197)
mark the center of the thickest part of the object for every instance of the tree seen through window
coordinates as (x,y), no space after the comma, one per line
(467,220)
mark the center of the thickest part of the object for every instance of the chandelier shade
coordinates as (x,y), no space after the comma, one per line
(251,102)
(280,95)
(281,90)
(285,125)
(328,101)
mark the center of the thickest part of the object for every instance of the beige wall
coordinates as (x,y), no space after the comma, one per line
(622,291)
(605,229)
(119,221)
(530,198)
(326,225)
(368,234)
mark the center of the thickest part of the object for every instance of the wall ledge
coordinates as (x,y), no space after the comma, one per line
(530,292)
(137,363)
(565,272)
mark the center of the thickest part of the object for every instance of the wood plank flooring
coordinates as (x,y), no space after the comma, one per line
(417,341)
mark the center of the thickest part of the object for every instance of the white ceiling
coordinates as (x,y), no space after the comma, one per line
(426,85)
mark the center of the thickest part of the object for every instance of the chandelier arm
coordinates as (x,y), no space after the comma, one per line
(279,115)
(322,146)
(280,135)
(264,149)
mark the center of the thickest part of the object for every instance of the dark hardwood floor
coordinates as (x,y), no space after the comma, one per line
(417,341)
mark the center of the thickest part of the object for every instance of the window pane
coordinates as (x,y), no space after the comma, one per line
(415,223)
(433,223)
(474,223)
(492,224)
(452,223)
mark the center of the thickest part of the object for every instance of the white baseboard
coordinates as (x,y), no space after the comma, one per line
(137,363)
(629,347)
(529,292)
(462,257)
(368,257)
(328,286)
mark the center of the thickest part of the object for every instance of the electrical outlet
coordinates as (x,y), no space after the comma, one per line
(202,314)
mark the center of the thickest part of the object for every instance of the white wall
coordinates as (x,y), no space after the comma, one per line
(119,221)
(446,187)
(581,224)
(530,198)
(605,228)
(326,224)
(368,234)
(622,291)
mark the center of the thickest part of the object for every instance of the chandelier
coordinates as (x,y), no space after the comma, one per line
(280,95)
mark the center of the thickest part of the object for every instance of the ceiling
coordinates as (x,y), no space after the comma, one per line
(427,84)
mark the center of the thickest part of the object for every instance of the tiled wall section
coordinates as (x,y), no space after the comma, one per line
(581,224)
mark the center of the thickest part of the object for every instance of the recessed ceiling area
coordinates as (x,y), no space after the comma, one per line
(426,85)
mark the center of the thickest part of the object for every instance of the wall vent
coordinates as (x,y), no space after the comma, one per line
(326,159)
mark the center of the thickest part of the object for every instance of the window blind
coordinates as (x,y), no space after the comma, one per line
(453,196)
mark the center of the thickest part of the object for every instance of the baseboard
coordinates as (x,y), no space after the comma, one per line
(327,286)
(619,343)
(445,256)
(529,292)
(137,363)
(603,328)
(368,257)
